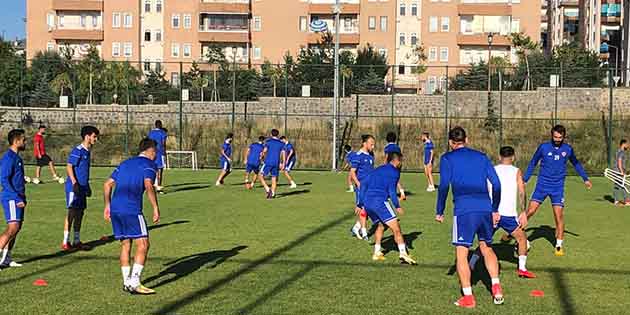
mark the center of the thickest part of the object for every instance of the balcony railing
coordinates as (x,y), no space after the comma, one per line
(78,5)
(222,28)
(74,34)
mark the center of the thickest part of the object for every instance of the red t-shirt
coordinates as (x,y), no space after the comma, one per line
(38,144)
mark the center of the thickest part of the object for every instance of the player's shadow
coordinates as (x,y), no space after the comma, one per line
(302,184)
(388,244)
(546,232)
(96,243)
(185,266)
(186,188)
(293,193)
(184,184)
(609,198)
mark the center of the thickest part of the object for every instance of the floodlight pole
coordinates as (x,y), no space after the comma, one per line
(337,12)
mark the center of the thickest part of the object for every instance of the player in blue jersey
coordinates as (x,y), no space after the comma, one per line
(392,147)
(553,157)
(78,187)
(291,156)
(468,171)
(347,149)
(13,195)
(252,164)
(428,160)
(225,159)
(362,164)
(159,135)
(129,181)
(377,191)
(274,161)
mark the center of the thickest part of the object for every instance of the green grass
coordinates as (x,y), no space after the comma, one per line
(300,259)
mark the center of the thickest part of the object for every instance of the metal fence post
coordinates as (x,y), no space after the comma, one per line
(286,96)
(446,112)
(393,94)
(500,109)
(181,107)
(127,130)
(610,117)
(233,94)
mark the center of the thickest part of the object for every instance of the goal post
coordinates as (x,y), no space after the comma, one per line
(181,159)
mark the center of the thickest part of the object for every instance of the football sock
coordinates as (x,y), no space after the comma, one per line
(136,272)
(522,260)
(558,243)
(402,249)
(66,237)
(377,248)
(467,291)
(126,270)
(77,237)
(495,281)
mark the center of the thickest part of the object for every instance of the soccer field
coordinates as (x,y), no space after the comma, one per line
(229,251)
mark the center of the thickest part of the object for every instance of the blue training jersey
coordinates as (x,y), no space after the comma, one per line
(468,172)
(227,150)
(287,150)
(274,148)
(363,163)
(553,164)
(80,159)
(428,147)
(391,148)
(129,177)
(379,186)
(159,136)
(349,155)
(255,150)
(12,177)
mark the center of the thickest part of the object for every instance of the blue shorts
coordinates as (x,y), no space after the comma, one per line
(225,165)
(427,160)
(556,195)
(12,213)
(380,213)
(252,168)
(289,166)
(357,195)
(160,161)
(76,201)
(466,226)
(274,170)
(129,226)
(508,224)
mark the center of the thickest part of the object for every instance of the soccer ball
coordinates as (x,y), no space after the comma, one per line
(27,179)
(36,181)
(61,180)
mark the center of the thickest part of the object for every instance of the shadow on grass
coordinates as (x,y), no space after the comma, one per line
(95,243)
(546,232)
(186,184)
(293,193)
(609,198)
(185,266)
(186,188)
(388,244)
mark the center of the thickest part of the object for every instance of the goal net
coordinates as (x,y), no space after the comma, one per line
(181,159)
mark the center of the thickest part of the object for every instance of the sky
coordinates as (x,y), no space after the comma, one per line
(11,14)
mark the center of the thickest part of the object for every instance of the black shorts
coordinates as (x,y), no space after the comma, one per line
(44,160)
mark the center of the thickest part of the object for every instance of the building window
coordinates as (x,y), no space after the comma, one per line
(303,24)
(431,84)
(147,36)
(175,21)
(61,19)
(347,25)
(158,6)
(383,24)
(516,25)
(115,49)
(94,21)
(401,69)
(128,50)
(175,78)
(414,39)
(158,67)
(446,24)
(403,9)
(444,54)
(257,24)
(147,6)
(128,20)
(175,50)
(147,65)
(372,23)
(402,39)
(116,20)
(158,35)
(257,53)
(50,20)
(83,20)
(187,21)
(433,24)
(187,50)
(433,54)
(414,9)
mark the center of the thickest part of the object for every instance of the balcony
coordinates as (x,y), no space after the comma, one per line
(315,8)
(498,9)
(78,5)
(83,35)
(482,40)
(344,39)
(224,7)
(223,37)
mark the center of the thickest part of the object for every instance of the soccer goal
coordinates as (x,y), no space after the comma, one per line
(181,159)
(618,178)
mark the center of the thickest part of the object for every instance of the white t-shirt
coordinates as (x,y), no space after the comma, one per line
(509,189)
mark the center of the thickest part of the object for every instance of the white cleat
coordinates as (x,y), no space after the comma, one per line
(14,264)
(294,185)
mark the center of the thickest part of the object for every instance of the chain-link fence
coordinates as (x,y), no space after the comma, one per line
(200,103)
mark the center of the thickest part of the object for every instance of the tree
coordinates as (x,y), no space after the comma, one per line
(373,83)
(89,72)
(155,88)
(346,73)
(122,79)
(273,73)
(420,58)
(61,82)
(369,60)
(45,66)
(524,46)
(11,72)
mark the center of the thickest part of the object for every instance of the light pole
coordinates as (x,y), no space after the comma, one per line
(616,57)
(337,12)
(490,37)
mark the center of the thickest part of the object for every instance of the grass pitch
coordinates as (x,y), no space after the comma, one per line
(229,251)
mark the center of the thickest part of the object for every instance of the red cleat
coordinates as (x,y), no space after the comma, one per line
(525,274)
(466,301)
(497,294)
(66,247)
(81,246)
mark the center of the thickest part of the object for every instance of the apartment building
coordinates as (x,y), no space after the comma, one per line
(559,23)
(408,42)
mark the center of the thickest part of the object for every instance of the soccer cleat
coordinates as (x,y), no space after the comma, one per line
(14,264)
(127,288)
(66,247)
(36,181)
(269,195)
(217,184)
(497,294)
(559,251)
(405,259)
(466,301)
(350,190)
(294,185)
(81,246)
(142,290)
(525,274)
(378,256)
